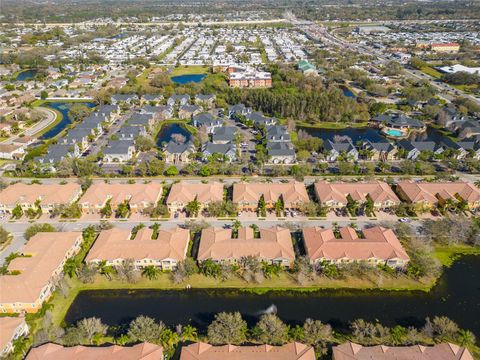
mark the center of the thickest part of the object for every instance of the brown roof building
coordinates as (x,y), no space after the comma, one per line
(182,193)
(445,351)
(50,351)
(377,246)
(138,196)
(247,195)
(273,245)
(429,194)
(115,245)
(335,194)
(48,196)
(40,266)
(11,328)
(291,351)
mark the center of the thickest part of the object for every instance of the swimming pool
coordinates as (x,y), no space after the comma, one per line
(394,133)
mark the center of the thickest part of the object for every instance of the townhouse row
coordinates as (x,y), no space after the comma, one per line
(289,351)
(247,196)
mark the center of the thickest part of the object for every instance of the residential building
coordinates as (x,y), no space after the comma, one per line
(238,109)
(59,152)
(280,153)
(207,121)
(188,111)
(139,196)
(11,329)
(12,152)
(428,195)
(38,268)
(290,351)
(335,195)
(337,149)
(246,195)
(412,149)
(184,192)
(51,351)
(180,99)
(277,133)
(123,98)
(250,79)
(375,246)
(164,251)
(258,119)
(178,153)
(273,245)
(446,48)
(207,101)
(379,150)
(224,134)
(227,151)
(443,351)
(119,151)
(34,196)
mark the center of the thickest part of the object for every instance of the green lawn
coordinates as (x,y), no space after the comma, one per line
(185,69)
(448,254)
(432,72)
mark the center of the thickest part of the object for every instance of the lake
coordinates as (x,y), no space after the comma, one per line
(27,75)
(166,132)
(367,133)
(63,108)
(457,295)
(347,92)
(188,78)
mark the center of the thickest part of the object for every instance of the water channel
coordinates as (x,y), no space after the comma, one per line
(457,295)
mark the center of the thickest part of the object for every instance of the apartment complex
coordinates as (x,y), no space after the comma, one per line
(374,246)
(273,245)
(11,328)
(290,351)
(336,195)
(445,48)
(35,196)
(51,351)
(428,195)
(32,275)
(163,249)
(250,78)
(182,193)
(138,196)
(444,351)
(247,195)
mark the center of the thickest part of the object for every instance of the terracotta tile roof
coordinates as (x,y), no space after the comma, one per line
(444,351)
(379,243)
(47,251)
(377,190)
(292,192)
(419,192)
(116,244)
(217,244)
(8,325)
(184,192)
(291,351)
(50,351)
(135,193)
(47,193)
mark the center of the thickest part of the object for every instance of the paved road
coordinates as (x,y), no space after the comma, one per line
(50,117)
(18,228)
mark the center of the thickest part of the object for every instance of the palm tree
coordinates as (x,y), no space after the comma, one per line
(189,333)
(150,272)
(105,269)
(21,345)
(70,267)
(465,337)
(193,207)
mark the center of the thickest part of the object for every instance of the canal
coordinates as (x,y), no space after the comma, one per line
(63,108)
(457,295)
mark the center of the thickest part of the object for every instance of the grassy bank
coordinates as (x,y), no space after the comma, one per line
(190,70)
(448,254)
(58,119)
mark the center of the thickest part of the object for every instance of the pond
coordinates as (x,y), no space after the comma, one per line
(63,108)
(166,132)
(27,75)
(367,133)
(188,78)
(457,295)
(347,92)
